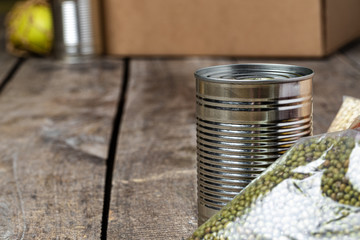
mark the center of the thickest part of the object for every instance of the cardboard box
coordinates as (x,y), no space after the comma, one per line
(282,28)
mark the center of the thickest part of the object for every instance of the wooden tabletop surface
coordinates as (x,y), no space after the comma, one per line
(70,132)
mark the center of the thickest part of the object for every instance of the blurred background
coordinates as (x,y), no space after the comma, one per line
(83,28)
(5,5)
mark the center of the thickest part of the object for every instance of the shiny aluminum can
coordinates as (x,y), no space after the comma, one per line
(77,30)
(248,115)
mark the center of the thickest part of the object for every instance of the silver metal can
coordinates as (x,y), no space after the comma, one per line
(247,116)
(77,30)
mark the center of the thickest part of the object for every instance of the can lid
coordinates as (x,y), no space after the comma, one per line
(254,73)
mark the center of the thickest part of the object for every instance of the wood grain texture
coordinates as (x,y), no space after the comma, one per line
(154,180)
(154,184)
(55,126)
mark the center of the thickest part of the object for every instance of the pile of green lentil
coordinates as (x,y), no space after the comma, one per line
(311,192)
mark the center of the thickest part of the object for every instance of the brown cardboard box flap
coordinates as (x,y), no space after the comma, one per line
(218,27)
(342,20)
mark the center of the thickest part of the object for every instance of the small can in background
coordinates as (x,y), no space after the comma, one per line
(248,115)
(77,31)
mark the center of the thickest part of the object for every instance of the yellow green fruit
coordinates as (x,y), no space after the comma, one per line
(30,27)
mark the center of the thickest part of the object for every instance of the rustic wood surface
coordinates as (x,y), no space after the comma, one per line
(153,193)
(154,182)
(55,127)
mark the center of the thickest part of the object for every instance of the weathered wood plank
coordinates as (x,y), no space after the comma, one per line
(153,193)
(154,184)
(55,126)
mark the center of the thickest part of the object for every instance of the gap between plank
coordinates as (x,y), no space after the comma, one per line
(112,149)
(11,73)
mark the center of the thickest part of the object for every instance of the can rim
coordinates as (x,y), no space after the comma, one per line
(303,72)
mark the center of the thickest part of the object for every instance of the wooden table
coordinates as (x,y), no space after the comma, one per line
(70,132)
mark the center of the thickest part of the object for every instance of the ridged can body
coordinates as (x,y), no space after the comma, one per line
(247,116)
(76,29)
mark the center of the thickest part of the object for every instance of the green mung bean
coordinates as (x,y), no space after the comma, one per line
(306,194)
